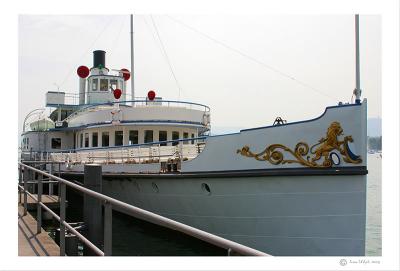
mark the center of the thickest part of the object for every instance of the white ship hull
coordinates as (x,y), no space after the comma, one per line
(280,215)
(261,189)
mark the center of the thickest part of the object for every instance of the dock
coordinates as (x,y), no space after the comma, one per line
(51,201)
(29,242)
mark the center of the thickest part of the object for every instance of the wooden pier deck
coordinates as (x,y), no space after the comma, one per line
(29,242)
(50,201)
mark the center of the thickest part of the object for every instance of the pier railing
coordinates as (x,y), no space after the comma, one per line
(26,174)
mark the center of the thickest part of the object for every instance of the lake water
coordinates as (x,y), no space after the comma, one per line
(373,245)
(132,237)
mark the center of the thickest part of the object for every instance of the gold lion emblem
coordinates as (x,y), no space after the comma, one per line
(309,156)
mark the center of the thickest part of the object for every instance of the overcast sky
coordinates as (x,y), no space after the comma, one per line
(241,66)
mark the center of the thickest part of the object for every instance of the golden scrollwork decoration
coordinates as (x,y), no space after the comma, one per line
(305,155)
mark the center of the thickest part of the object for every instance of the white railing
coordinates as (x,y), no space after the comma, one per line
(132,155)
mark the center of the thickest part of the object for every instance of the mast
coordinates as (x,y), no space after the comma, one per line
(357,90)
(132,62)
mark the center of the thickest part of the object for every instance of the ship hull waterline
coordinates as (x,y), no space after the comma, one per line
(282,215)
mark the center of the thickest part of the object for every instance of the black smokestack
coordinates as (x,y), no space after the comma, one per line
(99,58)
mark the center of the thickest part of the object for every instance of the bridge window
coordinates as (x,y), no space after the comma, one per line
(86,140)
(185,136)
(175,136)
(94,139)
(105,139)
(192,142)
(148,136)
(113,84)
(56,143)
(103,84)
(133,137)
(162,136)
(119,138)
(95,82)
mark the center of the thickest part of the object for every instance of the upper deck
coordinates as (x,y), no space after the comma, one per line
(141,112)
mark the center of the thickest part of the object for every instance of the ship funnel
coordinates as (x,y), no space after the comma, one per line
(99,59)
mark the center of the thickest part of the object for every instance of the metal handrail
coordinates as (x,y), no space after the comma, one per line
(137,213)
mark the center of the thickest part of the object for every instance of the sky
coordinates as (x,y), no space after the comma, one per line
(248,69)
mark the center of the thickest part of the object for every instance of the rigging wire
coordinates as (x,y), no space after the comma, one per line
(155,39)
(114,46)
(167,58)
(87,50)
(252,58)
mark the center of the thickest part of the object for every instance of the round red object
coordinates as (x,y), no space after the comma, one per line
(151,95)
(82,71)
(126,74)
(117,93)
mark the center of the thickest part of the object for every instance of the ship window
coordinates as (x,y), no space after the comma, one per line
(95,82)
(94,139)
(192,142)
(81,141)
(175,136)
(119,137)
(113,84)
(162,136)
(56,143)
(103,84)
(185,136)
(105,138)
(148,136)
(86,140)
(133,137)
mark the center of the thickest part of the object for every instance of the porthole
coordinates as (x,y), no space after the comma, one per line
(155,187)
(206,188)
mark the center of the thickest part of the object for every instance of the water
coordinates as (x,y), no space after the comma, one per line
(132,237)
(373,245)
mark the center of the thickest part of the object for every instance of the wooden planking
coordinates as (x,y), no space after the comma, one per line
(50,201)
(30,243)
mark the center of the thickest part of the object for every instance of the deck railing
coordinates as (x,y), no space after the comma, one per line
(142,102)
(153,152)
(109,204)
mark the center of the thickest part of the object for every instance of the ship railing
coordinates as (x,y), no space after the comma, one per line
(153,152)
(28,174)
(141,102)
(73,99)
(139,155)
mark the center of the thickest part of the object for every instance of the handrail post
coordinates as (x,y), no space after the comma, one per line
(107,228)
(92,207)
(39,208)
(51,184)
(59,184)
(20,183)
(62,217)
(26,176)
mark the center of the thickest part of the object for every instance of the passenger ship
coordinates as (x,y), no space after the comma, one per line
(287,189)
